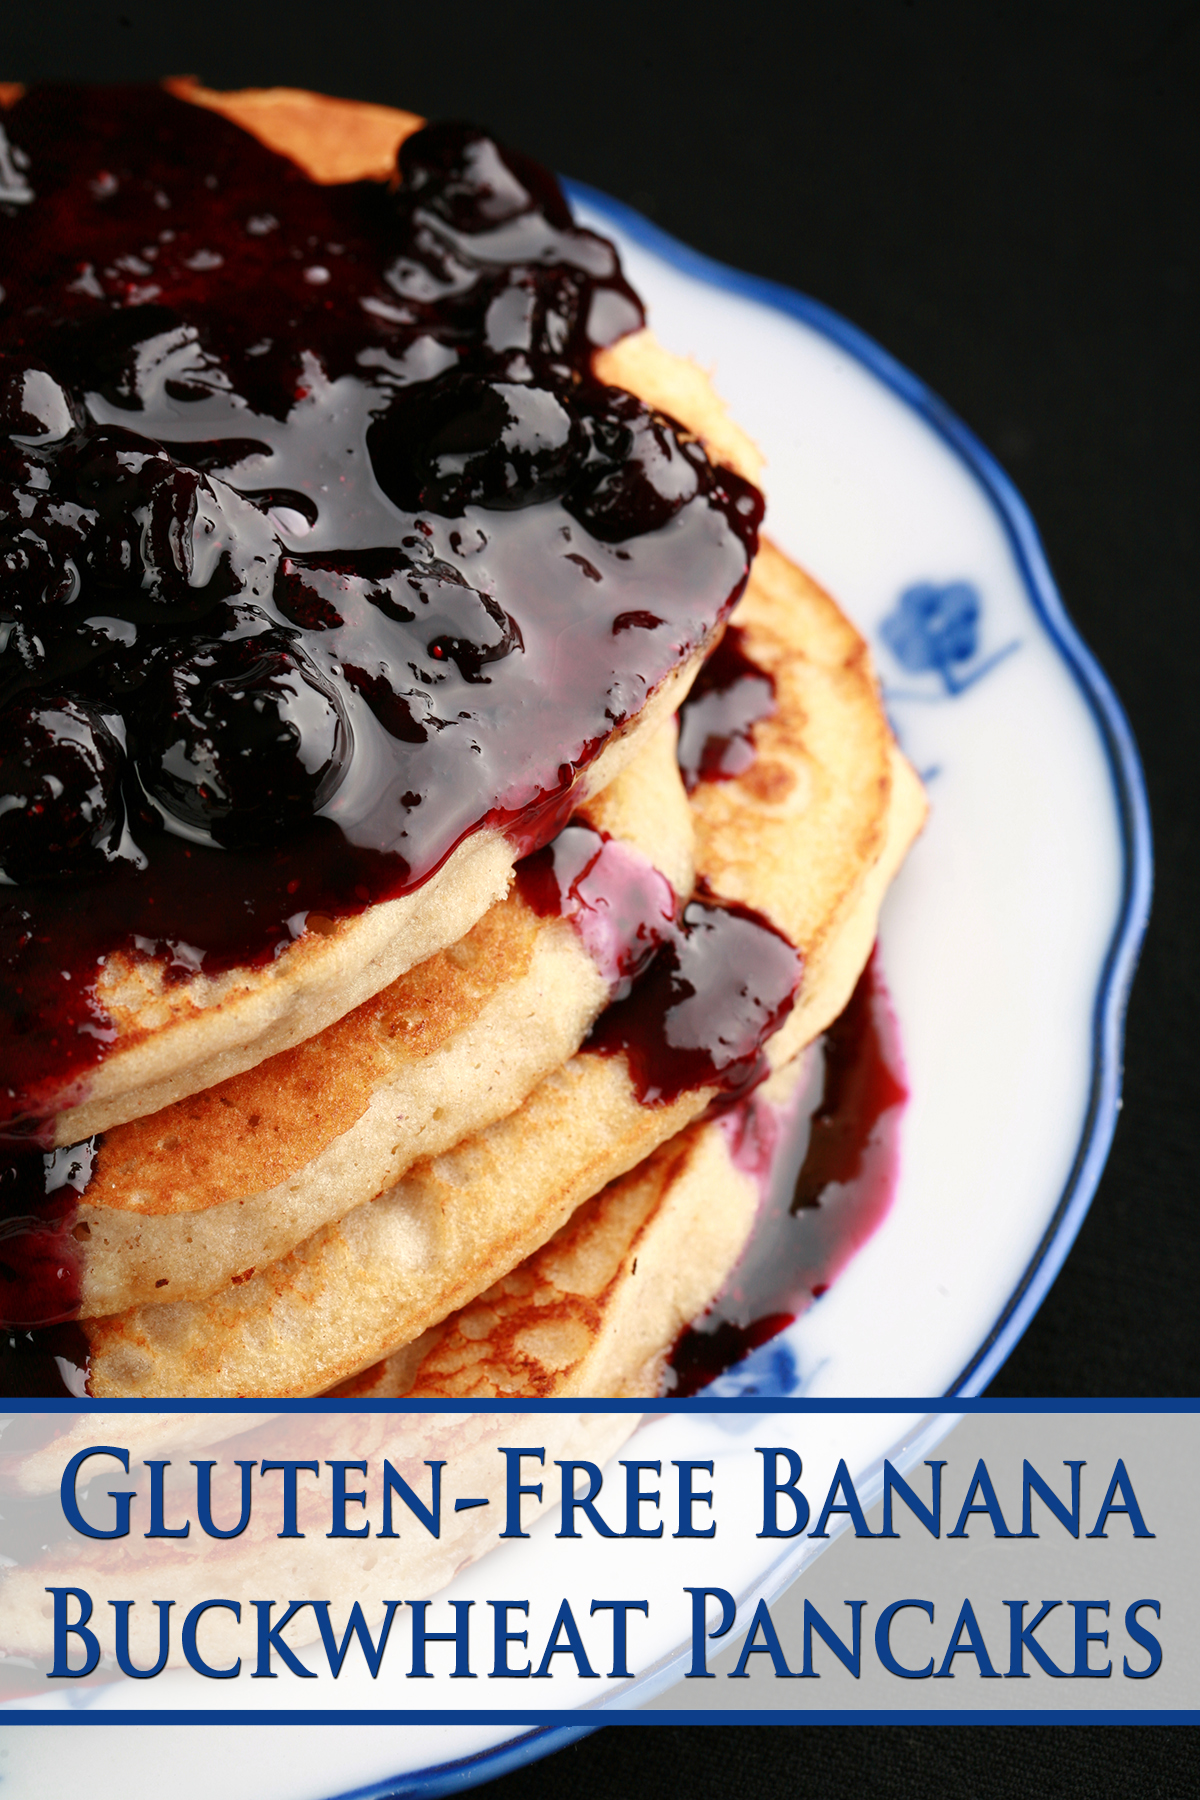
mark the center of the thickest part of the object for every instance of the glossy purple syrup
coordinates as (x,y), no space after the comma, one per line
(717,988)
(320,547)
(42,1353)
(716,721)
(828,1182)
(39,1192)
(618,902)
(695,993)
(48,1364)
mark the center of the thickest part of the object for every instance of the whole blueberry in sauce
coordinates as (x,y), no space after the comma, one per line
(244,737)
(60,801)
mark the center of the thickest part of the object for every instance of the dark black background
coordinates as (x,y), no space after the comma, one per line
(1005,196)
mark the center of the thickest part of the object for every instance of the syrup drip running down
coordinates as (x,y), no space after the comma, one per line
(829,1182)
(39,1273)
(716,721)
(694,996)
(618,902)
(51,1364)
(717,989)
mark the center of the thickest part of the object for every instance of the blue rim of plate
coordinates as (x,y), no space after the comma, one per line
(1108,1014)
(1133,812)
(470,1771)
(1125,769)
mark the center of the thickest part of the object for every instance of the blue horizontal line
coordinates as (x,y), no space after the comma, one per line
(772,1403)
(617,1716)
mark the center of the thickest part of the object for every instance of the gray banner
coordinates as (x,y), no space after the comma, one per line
(409,1564)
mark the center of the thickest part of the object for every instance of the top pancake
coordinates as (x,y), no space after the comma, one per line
(178,1035)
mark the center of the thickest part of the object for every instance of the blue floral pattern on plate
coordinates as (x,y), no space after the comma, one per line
(934,630)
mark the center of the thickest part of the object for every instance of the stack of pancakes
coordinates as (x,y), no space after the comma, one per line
(385,1163)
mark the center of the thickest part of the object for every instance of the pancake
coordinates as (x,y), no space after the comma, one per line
(331,140)
(176,1032)
(194,1197)
(595,1310)
(827,777)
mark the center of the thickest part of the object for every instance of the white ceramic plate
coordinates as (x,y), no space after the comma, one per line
(1010,938)
(1008,945)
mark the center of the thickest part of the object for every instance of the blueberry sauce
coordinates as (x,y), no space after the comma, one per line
(828,1175)
(39,1192)
(716,989)
(48,1364)
(321,548)
(42,1352)
(695,992)
(618,902)
(728,698)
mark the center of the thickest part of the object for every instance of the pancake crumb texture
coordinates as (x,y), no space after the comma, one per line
(393,1267)
(591,1311)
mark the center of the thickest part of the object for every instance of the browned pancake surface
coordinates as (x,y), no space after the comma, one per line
(249,1133)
